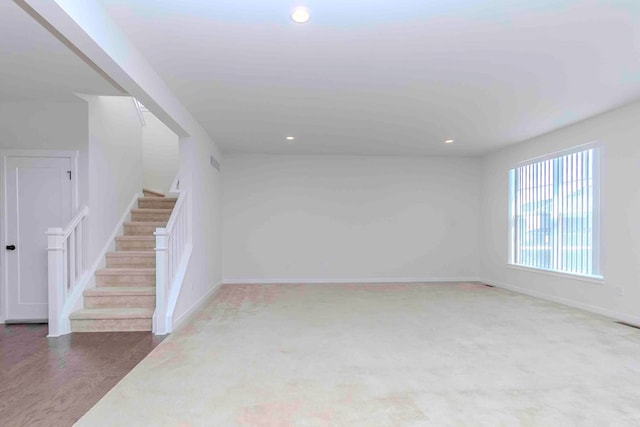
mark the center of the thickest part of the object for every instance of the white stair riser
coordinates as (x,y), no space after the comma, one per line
(110,325)
(120,301)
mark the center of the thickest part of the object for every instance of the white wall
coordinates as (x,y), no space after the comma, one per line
(160,154)
(341,218)
(619,132)
(115,165)
(43,125)
(46,125)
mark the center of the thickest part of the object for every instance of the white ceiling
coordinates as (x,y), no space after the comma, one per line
(34,65)
(388,77)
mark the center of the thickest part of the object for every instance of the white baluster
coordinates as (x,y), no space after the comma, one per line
(72,259)
(80,260)
(188,211)
(182,232)
(65,266)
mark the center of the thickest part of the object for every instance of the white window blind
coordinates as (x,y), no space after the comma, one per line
(554,210)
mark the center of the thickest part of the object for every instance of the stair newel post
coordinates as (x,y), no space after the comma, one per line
(162,281)
(57,285)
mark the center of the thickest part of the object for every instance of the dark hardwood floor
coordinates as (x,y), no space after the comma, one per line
(54,381)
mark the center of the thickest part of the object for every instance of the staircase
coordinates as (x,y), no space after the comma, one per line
(125,294)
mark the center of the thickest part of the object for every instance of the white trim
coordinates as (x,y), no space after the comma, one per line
(514,231)
(75,301)
(73,156)
(582,278)
(185,316)
(560,153)
(582,306)
(376,280)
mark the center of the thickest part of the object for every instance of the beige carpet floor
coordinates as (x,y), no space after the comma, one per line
(382,355)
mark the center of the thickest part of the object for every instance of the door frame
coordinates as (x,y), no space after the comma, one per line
(73,156)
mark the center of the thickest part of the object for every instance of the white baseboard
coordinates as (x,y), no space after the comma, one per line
(374,280)
(565,301)
(187,314)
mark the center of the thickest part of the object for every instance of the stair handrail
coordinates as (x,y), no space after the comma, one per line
(65,247)
(175,185)
(82,213)
(175,214)
(173,249)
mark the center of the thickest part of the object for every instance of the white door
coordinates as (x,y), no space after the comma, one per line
(38,196)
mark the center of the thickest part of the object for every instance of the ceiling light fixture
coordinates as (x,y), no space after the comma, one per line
(449,141)
(300,15)
(290,138)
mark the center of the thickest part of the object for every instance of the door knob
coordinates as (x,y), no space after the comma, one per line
(11,247)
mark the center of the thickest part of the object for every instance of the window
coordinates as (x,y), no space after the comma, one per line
(555,213)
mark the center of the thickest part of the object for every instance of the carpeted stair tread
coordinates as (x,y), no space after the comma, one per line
(131,254)
(119,290)
(151,210)
(135,238)
(157,224)
(126,272)
(164,199)
(112,313)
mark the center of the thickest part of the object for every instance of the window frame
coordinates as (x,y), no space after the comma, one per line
(598,276)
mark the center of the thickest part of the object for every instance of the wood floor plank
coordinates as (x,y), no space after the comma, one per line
(54,381)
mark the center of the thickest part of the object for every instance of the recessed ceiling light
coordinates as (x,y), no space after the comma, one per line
(449,141)
(300,15)
(290,138)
